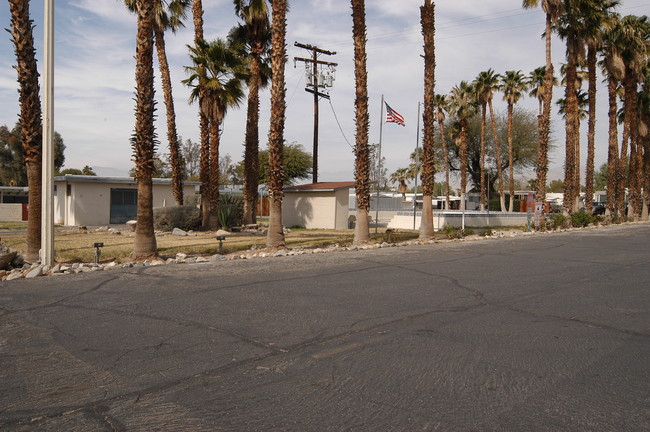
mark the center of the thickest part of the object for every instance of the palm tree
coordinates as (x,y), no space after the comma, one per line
(442,104)
(427,19)
(535,85)
(168,15)
(361,150)
(30,118)
(614,71)
(570,29)
(217,74)
(636,42)
(597,18)
(552,9)
(644,134)
(275,236)
(255,36)
(482,91)
(464,107)
(204,126)
(513,85)
(484,86)
(143,140)
(401,176)
(491,83)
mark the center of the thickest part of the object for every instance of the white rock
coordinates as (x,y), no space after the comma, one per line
(35,272)
(179,232)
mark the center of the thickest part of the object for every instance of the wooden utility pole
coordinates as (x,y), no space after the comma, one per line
(315,62)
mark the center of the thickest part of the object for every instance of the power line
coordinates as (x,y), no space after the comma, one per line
(338,123)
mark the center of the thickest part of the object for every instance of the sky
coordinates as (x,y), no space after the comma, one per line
(95,67)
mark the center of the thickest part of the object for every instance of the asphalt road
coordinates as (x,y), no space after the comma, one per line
(542,333)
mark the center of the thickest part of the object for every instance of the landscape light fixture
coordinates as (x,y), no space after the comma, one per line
(221,238)
(98,251)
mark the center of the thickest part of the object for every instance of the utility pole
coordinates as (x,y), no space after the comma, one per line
(313,85)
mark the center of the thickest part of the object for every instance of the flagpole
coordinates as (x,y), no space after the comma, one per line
(381,133)
(417,147)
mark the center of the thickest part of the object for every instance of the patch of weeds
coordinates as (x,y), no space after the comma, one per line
(452,232)
(487,233)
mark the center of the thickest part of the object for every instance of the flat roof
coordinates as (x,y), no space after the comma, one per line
(14,190)
(74,178)
(320,187)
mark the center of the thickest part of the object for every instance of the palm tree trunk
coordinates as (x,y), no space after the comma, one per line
(591,134)
(646,178)
(30,118)
(143,138)
(172,135)
(204,126)
(361,150)
(511,202)
(497,151)
(482,158)
(251,152)
(445,157)
(570,134)
(545,121)
(213,200)
(623,167)
(275,236)
(463,156)
(204,169)
(427,19)
(612,153)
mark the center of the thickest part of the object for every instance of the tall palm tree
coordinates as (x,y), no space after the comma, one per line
(553,10)
(143,140)
(484,86)
(464,107)
(427,19)
(535,83)
(30,118)
(361,150)
(204,125)
(636,38)
(482,91)
(569,28)
(275,235)
(168,15)
(217,74)
(513,86)
(492,84)
(255,36)
(644,137)
(613,69)
(597,17)
(442,105)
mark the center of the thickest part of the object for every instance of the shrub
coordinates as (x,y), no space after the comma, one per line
(581,219)
(231,211)
(556,220)
(182,217)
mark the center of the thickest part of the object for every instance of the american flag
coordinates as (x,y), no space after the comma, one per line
(393,116)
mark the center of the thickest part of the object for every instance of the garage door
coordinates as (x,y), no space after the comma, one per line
(124,205)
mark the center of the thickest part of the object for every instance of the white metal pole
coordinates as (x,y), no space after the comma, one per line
(381,133)
(47,188)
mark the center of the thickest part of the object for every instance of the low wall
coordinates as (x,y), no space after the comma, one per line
(11,212)
(404,220)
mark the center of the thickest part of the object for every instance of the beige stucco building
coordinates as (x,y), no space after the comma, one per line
(91,200)
(321,205)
